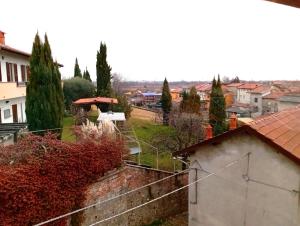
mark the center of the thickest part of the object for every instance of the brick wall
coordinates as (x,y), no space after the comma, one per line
(128,178)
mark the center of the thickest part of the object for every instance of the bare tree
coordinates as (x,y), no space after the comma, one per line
(117,83)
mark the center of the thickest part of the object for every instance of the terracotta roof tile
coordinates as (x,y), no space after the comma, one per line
(95,100)
(283,128)
(249,86)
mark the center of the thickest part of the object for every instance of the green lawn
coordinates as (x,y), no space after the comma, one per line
(145,131)
(67,134)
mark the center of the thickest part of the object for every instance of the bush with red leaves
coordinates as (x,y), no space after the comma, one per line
(43,177)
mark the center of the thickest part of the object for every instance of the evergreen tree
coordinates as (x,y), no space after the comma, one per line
(44,97)
(166,102)
(86,75)
(190,102)
(77,71)
(217,114)
(235,80)
(103,71)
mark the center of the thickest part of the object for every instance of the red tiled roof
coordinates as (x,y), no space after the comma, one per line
(95,100)
(249,86)
(203,87)
(274,96)
(261,89)
(234,84)
(281,130)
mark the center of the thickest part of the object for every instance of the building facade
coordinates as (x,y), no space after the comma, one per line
(249,175)
(243,92)
(14,73)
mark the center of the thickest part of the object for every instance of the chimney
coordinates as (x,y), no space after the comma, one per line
(232,122)
(209,132)
(2,38)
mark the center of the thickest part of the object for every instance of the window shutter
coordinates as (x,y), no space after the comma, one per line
(23,72)
(0,81)
(16,72)
(8,72)
(28,72)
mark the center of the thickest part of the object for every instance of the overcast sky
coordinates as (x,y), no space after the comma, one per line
(148,40)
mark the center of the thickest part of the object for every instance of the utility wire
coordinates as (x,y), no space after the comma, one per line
(169,193)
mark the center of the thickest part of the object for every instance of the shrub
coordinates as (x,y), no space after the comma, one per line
(43,177)
(76,88)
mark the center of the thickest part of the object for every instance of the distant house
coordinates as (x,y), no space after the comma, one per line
(175,93)
(256,96)
(270,102)
(204,90)
(288,100)
(151,98)
(233,88)
(250,175)
(14,73)
(243,92)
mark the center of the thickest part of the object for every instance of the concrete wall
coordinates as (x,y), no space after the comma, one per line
(269,106)
(129,178)
(284,105)
(229,199)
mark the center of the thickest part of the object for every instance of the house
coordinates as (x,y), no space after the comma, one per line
(14,73)
(243,92)
(288,100)
(256,96)
(270,102)
(204,90)
(175,93)
(249,175)
(151,98)
(233,88)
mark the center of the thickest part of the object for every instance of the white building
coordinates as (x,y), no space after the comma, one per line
(243,92)
(249,175)
(14,73)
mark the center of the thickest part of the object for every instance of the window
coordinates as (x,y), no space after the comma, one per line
(255,100)
(12,72)
(24,73)
(6,113)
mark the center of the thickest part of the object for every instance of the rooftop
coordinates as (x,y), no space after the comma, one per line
(261,89)
(96,100)
(250,86)
(234,84)
(291,97)
(280,130)
(13,50)
(274,95)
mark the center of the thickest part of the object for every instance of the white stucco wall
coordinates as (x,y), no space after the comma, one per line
(243,96)
(228,199)
(17,93)
(12,58)
(20,102)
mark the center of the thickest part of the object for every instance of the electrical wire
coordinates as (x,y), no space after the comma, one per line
(169,193)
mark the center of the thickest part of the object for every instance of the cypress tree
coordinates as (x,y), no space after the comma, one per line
(44,97)
(217,114)
(103,72)
(86,75)
(166,102)
(77,71)
(193,101)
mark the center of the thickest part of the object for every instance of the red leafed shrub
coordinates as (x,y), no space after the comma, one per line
(43,177)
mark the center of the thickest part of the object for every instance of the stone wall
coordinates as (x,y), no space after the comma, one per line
(129,178)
